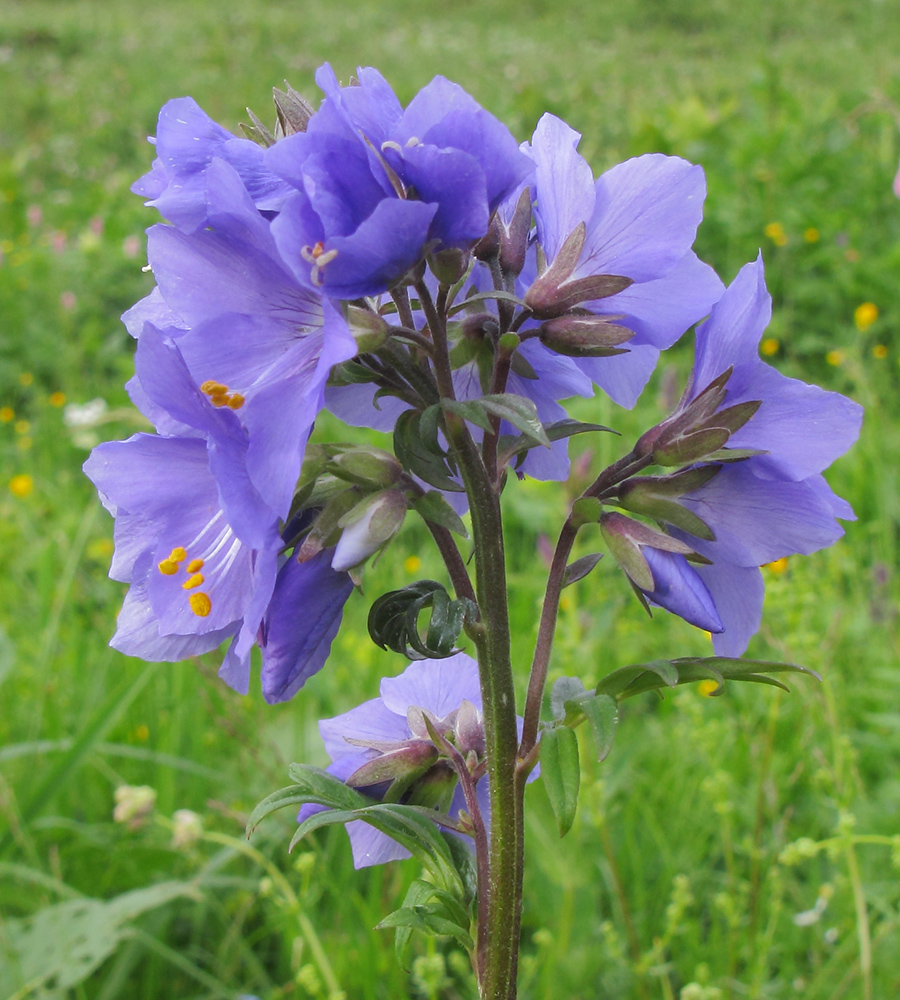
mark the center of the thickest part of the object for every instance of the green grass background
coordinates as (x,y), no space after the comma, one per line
(674,880)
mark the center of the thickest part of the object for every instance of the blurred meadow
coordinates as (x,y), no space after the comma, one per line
(731,847)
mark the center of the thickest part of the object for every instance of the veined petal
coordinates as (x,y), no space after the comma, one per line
(645,217)
(759,520)
(438,686)
(564,183)
(738,595)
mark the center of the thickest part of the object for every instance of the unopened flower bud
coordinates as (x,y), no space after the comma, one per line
(369,330)
(404,765)
(584,336)
(367,467)
(369,525)
(448,266)
(556,292)
(489,244)
(469,730)
(134,804)
(514,236)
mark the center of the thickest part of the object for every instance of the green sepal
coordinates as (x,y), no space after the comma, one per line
(636,679)
(432,506)
(579,569)
(561,773)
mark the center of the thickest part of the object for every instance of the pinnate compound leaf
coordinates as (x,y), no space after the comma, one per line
(312,785)
(632,680)
(561,773)
(417,447)
(394,620)
(413,827)
(516,410)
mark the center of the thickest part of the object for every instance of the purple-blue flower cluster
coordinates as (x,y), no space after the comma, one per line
(308,271)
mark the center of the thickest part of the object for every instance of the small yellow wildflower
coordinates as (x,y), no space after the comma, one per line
(707,687)
(865,315)
(7,413)
(769,346)
(22,426)
(412,564)
(142,733)
(775,232)
(100,548)
(57,399)
(26,378)
(21,486)
(835,358)
(565,602)
(811,235)
(879,351)
(778,567)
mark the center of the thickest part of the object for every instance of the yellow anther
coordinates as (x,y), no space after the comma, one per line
(177,555)
(167,567)
(219,400)
(200,603)
(192,582)
(318,250)
(194,566)
(213,388)
(235,401)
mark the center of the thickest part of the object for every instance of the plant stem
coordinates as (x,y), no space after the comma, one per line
(500,916)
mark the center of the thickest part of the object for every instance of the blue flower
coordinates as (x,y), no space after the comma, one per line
(775,503)
(187,140)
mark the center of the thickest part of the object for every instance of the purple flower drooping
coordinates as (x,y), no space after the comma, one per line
(775,503)
(385,741)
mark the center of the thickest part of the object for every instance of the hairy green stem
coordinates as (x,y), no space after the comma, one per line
(500,915)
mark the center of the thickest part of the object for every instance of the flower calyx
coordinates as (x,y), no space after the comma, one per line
(369,526)
(658,496)
(626,538)
(584,335)
(555,292)
(700,430)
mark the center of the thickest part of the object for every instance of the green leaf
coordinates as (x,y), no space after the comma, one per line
(561,773)
(632,680)
(413,827)
(556,431)
(432,506)
(603,715)
(65,943)
(417,448)
(484,297)
(517,410)
(571,704)
(394,620)
(427,918)
(579,569)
